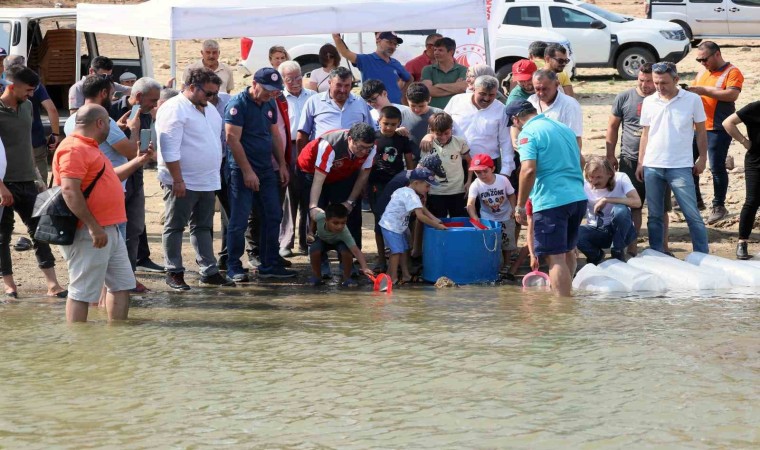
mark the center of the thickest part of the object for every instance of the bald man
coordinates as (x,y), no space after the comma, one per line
(98,255)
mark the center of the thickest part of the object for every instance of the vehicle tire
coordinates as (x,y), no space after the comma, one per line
(308,67)
(504,72)
(629,61)
(695,43)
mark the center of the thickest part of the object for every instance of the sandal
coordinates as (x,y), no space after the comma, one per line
(314,281)
(13,294)
(63,294)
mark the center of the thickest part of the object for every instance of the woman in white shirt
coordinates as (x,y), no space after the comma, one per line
(611,196)
(329,58)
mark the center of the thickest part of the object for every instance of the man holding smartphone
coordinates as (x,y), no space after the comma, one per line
(141,102)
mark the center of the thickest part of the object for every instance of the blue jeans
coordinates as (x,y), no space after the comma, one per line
(682,184)
(619,233)
(718,142)
(242,201)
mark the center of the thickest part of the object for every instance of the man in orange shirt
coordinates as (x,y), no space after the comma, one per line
(98,254)
(719,85)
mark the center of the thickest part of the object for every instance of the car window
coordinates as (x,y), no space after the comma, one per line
(5,35)
(611,16)
(747,2)
(569,18)
(527,16)
(705,1)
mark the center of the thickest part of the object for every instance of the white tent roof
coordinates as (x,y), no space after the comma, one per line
(204,19)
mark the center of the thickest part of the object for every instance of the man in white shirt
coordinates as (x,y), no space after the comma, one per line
(210,60)
(189,157)
(550,101)
(670,119)
(296,96)
(482,122)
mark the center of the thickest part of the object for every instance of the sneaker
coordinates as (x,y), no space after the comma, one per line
(365,206)
(717,213)
(216,280)
(314,281)
(286,253)
(326,271)
(620,256)
(239,278)
(284,262)
(277,272)
(147,265)
(350,283)
(254,261)
(176,281)
(741,251)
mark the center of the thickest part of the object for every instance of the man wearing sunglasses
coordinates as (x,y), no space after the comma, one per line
(101,66)
(189,158)
(556,59)
(718,83)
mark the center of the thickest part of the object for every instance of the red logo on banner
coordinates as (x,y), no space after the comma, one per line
(470,54)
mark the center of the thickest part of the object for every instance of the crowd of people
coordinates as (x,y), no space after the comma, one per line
(293,161)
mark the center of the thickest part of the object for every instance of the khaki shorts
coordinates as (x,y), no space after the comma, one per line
(508,235)
(90,267)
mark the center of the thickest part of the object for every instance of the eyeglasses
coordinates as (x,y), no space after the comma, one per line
(106,76)
(293,79)
(703,60)
(208,94)
(372,100)
(664,67)
(561,60)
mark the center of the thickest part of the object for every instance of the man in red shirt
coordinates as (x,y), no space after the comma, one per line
(334,168)
(99,253)
(414,66)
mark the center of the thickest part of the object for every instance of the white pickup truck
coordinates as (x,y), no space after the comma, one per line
(48,39)
(511,45)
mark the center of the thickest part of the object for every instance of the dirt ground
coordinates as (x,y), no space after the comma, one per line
(595,89)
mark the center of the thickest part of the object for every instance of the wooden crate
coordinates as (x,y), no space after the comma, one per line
(57,57)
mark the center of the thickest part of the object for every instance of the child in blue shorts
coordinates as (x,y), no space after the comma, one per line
(395,221)
(332,234)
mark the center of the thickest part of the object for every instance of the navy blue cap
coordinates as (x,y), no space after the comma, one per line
(390,35)
(270,78)
(3,53)
(516,108)
(423,174)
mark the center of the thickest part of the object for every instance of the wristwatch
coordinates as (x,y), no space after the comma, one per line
(520,209)
(351,202)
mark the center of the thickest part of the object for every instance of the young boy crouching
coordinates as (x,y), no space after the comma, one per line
(497,201)
(395,221)
(332,234)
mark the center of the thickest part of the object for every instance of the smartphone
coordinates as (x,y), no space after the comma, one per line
(135,111)
(145,135)
(684,86)
(118,95)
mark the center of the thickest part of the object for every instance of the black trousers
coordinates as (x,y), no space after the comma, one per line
(752,200)
(24,194)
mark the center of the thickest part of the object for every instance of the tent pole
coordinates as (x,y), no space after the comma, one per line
(173,62)
(78,70)
(487,45)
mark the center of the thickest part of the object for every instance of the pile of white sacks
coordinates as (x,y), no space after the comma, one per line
(657,272)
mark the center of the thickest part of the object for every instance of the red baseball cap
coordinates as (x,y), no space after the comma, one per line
(481,162)
(523,70)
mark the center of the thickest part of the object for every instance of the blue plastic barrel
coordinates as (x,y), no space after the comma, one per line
(465,254)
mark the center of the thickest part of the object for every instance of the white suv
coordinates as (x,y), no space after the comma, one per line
(710,19)
(601,38)
(511,45)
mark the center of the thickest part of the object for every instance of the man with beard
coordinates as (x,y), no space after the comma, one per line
(380,65)
(626,111)
(336,109)
(18,189)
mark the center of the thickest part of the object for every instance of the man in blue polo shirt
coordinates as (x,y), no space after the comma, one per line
(550,174)
(252,137)
(379,65)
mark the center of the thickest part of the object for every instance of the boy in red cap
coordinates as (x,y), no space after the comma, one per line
(497,201)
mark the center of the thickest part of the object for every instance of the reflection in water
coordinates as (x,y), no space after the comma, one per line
(423,368)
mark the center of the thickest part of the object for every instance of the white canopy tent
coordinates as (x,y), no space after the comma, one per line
(200,19)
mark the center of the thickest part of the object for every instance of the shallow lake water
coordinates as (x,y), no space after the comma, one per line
(471,367)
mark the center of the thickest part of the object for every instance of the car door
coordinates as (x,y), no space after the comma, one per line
(591,45)
(708,17)
(743,17)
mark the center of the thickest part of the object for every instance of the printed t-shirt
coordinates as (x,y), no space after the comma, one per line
(330,155)
(389,159)
(493,198)
(255,120)
(451,161)
(396,215)
(330,237)
(622,187)
(80,158)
